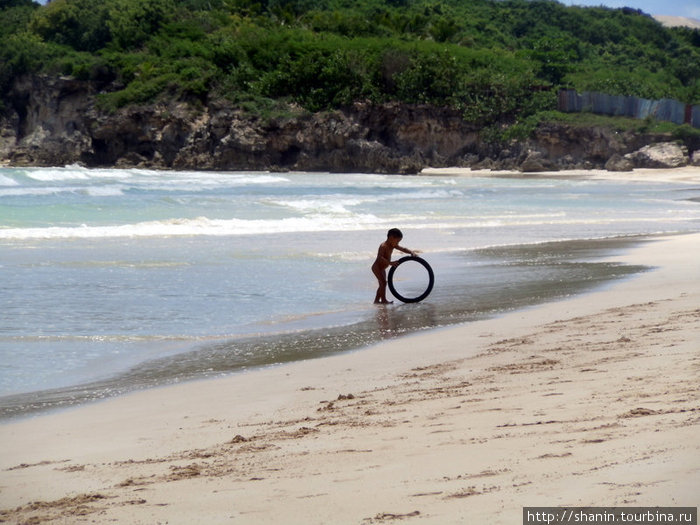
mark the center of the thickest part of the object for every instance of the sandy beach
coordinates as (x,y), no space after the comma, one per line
(590,401)
(689,174)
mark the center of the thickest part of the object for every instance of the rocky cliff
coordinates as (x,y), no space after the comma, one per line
(55,121)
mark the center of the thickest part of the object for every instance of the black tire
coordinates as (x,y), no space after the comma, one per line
(431,280)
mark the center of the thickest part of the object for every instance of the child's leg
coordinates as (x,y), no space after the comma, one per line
(381,280)
(380,274)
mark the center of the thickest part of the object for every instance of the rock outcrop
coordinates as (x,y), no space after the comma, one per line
(619,163)
(47,121)
(536,161)
(695,158)
(660,155)
(55,121)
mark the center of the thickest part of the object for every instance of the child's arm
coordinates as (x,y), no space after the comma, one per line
(406,250)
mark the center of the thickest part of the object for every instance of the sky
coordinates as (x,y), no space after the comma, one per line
(687,8)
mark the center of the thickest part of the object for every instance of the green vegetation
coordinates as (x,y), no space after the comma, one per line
(621,124)
(498,62)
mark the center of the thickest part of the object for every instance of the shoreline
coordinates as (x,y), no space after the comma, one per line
(587,401)
(687,174)
(587,268)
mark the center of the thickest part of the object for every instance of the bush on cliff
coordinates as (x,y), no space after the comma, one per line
(494,61)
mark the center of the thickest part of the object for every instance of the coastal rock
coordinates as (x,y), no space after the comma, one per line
(49,115)
(8,137)
(54,121)
(664,155)
(585,147)
(695,158)
(536,161)
(485,164)
(619,163)
(533,162)
(593,144)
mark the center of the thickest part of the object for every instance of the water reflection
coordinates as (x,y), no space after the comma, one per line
(392,321)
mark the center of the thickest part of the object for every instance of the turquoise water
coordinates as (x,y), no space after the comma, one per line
(119,279)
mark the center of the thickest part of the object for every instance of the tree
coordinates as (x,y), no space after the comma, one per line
(80,24)
(556,57)
(132,22)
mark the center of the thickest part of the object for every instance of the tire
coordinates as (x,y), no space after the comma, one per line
(431,280)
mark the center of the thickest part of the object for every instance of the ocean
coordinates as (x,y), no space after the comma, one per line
(115,280)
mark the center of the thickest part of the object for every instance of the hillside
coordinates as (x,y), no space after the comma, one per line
(494,66)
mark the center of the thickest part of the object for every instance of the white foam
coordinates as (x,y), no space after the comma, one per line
(36,191)
(7,181)
(328,205)
(104,191)
(198,181)
(56,174)
(338,204)
(197,226)
(160,180)
(426,194)
(317,223)
(341,256)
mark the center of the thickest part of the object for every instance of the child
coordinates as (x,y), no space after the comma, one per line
(383,261)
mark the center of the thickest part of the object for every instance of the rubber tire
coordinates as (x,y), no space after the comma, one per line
(431,279)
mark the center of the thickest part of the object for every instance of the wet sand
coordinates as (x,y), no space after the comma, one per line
(587,401)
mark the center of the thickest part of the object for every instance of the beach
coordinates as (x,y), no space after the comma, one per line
(587,401)
(683,174)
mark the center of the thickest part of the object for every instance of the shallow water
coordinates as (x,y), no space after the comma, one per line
(120,279)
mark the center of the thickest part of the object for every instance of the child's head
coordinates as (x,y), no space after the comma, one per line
(394,233)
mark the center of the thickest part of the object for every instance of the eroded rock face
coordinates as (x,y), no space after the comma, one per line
(661,155)
(8,136)
(55,121)
(577,147)
(593,144)
(47,120)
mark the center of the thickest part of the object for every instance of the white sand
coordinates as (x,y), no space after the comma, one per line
(589,401)
(688,174)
